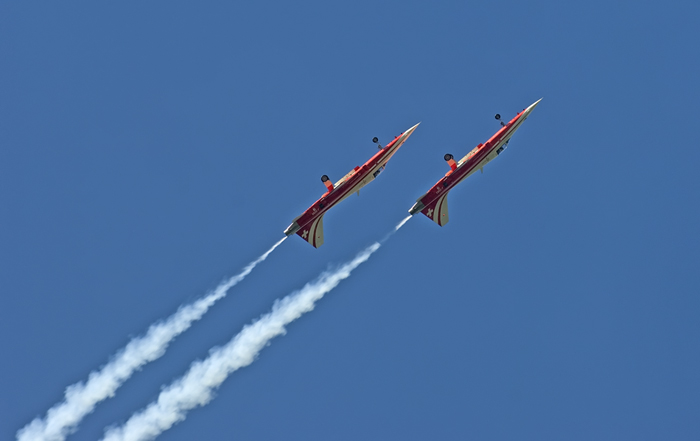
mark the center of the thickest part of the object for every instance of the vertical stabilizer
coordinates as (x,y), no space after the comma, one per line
(313,233)
(437,210)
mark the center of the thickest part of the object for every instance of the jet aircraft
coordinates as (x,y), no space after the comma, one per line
(309,226)
(433,204)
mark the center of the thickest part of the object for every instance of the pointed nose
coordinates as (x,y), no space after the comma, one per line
(398,142)
(404,136)
(408,132)
(532,107)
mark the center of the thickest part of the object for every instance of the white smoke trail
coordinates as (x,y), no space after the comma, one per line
(81,398)
(401,224)
(197,386)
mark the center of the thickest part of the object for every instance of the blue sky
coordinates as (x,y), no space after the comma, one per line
(150,150)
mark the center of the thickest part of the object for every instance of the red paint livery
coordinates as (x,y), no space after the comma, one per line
(433,204)
(309,226)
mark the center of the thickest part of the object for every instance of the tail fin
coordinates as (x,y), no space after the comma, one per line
(313,232)
(437,210)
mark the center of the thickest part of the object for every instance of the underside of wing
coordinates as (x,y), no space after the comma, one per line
(437,210)
(313,233)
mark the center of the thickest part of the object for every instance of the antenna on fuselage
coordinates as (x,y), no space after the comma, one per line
(376,141)
(498,117)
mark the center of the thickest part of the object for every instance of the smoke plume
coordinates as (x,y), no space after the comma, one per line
(81,398)
(197,386)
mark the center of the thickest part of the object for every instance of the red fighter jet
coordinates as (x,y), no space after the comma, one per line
(310,224)
(434,203)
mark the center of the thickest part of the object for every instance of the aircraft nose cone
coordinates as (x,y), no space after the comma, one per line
(408,132)
(532,106)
